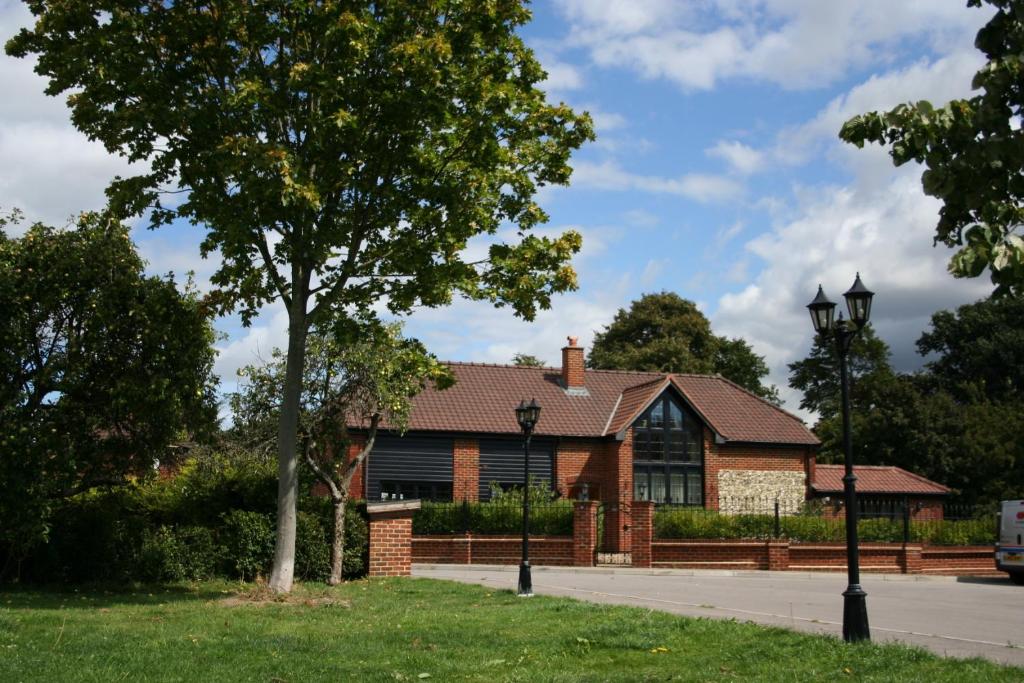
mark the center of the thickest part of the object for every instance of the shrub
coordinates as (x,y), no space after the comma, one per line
(248,539)
(503,516)
(185,553)
(215,517)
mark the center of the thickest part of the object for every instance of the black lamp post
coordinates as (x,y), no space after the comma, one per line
(858,303)
(527,415)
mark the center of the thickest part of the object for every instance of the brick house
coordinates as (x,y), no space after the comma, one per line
(620,436)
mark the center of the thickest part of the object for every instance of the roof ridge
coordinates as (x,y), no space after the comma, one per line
(510,366)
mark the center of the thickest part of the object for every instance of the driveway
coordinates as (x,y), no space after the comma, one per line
(956,617)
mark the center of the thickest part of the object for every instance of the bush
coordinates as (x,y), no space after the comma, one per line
(185,553)
(504,516)
(216,517)
(248,539)
(811,527)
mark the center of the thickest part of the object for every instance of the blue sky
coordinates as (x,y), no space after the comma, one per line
(717,173)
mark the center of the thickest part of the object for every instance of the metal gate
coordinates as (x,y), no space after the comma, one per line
(611,549)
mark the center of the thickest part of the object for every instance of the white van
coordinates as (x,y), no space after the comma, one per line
(1010,549)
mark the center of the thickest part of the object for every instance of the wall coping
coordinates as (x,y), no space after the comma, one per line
(393,506)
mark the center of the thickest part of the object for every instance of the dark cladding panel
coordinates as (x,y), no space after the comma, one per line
(501,460)
(411,458)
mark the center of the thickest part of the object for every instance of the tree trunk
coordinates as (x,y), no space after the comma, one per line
(283,571)
(338,542)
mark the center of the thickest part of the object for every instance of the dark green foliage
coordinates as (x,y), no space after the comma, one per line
(978,350)
(817,376)
(959,421)
(664,332)
(215,518)
(101,369)
(697,523)
(502,515)
(526,360)
(179,554)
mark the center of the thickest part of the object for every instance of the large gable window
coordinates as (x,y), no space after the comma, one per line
(668,454)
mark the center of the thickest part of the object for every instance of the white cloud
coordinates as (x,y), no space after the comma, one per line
(882,230)
(561,76)
(49,170)
(740,157)
(699,187)
(792,43)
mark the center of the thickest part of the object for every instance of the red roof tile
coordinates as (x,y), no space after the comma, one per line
(875,479)
(484,398)
(738,415)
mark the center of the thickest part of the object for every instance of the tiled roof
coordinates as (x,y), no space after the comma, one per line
(739,415)
(875,479)
(484,398)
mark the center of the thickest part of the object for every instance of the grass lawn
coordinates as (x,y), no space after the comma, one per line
(414,630)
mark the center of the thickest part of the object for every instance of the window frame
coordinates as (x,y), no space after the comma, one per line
(691,466)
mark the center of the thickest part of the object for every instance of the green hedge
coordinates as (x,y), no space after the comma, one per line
(208,521)
(548,519)
(697,523)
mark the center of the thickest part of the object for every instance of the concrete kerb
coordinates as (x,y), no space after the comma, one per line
(740,573)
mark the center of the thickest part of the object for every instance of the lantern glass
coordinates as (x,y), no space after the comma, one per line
(527,415)
(858,302)
(822,312)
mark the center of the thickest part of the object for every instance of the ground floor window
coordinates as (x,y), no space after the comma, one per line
(424,490)
(671,484)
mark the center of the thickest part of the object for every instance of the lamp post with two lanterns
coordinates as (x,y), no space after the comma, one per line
(858,303)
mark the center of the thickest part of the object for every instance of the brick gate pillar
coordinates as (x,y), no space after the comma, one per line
(584,533)
(391,537)
(911,561)
(643,532)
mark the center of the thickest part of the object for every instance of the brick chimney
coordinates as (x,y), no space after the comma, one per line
(572,364)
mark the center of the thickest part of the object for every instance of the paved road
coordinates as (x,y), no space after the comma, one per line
(954,617)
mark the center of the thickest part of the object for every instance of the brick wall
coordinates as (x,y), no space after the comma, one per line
(466,470)
(781,555)
(556,551)
(578,461)
(719,457)
(391,544)
(642,533)
(584,533)
(572,364)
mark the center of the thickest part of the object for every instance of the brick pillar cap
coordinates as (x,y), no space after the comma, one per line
(393,506)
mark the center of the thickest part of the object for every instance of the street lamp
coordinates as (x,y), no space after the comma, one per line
(858,304)
(527,415)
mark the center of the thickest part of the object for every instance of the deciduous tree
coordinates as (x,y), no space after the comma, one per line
(360,376)
(664,332)
(101,368)
(339,155)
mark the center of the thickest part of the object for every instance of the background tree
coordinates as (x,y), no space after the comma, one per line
(979,348)
(101,368)
(528,361)
(973,151)
(817,375)
(337,154)
(361,375)
(958,421)
(664,332)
